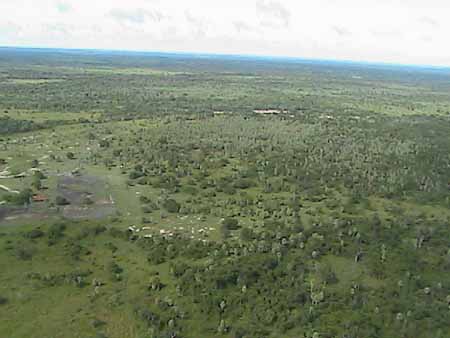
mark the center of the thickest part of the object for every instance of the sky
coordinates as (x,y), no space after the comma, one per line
(393,31)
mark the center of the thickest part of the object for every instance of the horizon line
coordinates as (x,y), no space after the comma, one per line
(245,55)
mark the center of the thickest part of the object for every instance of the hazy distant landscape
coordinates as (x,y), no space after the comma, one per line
(189,195)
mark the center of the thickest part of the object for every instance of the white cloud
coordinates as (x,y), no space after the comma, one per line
(63,7)
(136,16)
(273,13)
(410,31)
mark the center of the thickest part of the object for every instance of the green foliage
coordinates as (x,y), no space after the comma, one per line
(114,268)
(3,300)
(24,253)
(230,223)
(39,175)
(60,200)
(37,183)
(171,205)
(34,234)
(104,144)
(9,126)
(334,201)
(23,198)
(87,201)
(135,174)
(225,232)
(246,234)
(55,233)
(242,183)
(327,275)
(116,233)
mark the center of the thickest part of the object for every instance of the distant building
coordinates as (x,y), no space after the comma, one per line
(270,111)
(39,198)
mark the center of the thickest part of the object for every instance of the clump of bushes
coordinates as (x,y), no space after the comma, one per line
(171,206)
(55,233)
(135,174)
(3,300)
(117,233)
(230,223)
(35,233)
(114,268)
(24,254)
(60,200)
(98,323)
(24,197)
(87,201)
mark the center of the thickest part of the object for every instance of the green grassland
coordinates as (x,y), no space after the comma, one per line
(214,197)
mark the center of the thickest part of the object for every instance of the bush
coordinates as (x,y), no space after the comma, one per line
(87,201)
(146,209)
(111,247)
(101,335)
(36,184)
(146,220)
(327,275)
(228,189)
(144,199)
(242,184)
(24,197)
(157,255)
(230,223)
(114,268)
(224,231)
(24,254)
(39,175)
(35,233)
(239,333)
(135,174)
(247,234)
(143,181)
(97,323)
(190,190)
(104,144)
(55,233)
(3,300)
(75,250)
(117,233)
(171,206)
(60,200)
(98,229)
(91,231)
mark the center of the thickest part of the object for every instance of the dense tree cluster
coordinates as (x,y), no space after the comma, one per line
(288,278)
(386,157)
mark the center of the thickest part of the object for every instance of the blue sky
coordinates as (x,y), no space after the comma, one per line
(396,31)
